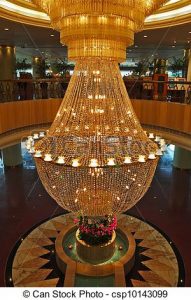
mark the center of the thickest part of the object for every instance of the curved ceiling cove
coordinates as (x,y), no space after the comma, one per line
(175,12)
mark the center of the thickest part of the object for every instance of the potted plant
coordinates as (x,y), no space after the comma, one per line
(179,64)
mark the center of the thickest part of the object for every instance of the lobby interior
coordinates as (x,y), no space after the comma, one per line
(34,75)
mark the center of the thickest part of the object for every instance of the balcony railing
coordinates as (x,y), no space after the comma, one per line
(171,91)
(27,89)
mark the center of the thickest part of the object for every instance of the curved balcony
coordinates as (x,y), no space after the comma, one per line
(169,117)
(30,89)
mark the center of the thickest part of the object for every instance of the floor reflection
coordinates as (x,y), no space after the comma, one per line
(24,203)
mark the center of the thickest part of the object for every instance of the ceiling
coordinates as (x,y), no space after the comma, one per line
(175,12)
(38,41)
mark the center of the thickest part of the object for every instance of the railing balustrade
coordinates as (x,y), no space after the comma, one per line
(28,89)
(16,90)
(171,91)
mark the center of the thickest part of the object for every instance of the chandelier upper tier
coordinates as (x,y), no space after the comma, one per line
(98,28)
(96,158)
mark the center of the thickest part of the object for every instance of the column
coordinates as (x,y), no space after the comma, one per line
(39,68)
(12,156)
(7,72)
(182,158)
(7,62)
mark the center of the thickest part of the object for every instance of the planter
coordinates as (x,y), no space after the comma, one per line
(95,254)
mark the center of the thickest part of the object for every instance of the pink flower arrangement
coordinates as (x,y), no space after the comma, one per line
(96,231)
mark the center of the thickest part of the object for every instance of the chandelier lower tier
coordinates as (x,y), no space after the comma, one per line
(96,158)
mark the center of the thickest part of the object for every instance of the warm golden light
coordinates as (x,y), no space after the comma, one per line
(106,32)
(102,152)
(96,158)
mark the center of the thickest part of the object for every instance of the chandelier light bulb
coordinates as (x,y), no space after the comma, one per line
(151,135)
(60,160)
(48,157)
(162,142)
(38,154)
(35,136)
(111,162)
(93,163)
(128,160)
(141,158)
(157,139)
(75,163)
(152,156)
(41,134)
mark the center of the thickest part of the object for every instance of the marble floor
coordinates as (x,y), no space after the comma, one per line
(33,264)
(24,203)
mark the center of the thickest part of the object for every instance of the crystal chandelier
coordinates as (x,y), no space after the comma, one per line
(96,159)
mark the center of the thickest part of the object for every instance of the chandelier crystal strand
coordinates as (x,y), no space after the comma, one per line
(96,159)
(95,130)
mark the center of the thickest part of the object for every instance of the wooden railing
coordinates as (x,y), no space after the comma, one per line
(169,91)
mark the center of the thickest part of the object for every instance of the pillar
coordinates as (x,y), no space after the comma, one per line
(7,62)
(39,68)
(182,158)
(12,156)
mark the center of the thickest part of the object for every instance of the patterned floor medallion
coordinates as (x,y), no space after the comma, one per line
(32,262)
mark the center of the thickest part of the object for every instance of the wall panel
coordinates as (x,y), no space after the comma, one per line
(163,114)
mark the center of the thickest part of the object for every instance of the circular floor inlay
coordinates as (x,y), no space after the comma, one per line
(33,263)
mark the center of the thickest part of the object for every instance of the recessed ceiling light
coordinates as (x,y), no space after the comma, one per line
(6,29)
(173,46)
(52,35)
(145,36)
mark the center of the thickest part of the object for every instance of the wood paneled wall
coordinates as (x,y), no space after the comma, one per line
(163,114)
(25,113)
(175,116)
